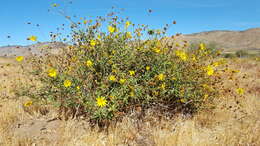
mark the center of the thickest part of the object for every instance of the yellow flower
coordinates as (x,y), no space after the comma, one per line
(54,5)
(156,93)
(132,94)
(89,63)
(235,71)
(52,72)
(210,70)
(222,61)
(139,34)
(194,58)
(19,58)
(93,43)
(101,101)
(202,46)
(163,86)
(216,64)
(240,91)
(67,83)
(183,100)
(205,86)
(166,49)
(110,62)
(157,50)
(158,31)
(127,24)
(78,87)
(28,103)
(128,35)
(161,77)
(122,81)
(74,59)
(205,97)
(147,68)
(99,36)
(113,52)
(69,70)
(132,73)
(112,78)
(114,70)
(32,38)
(181,54)
(111,29)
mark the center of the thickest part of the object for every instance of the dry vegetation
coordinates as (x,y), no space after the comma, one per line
(235,120)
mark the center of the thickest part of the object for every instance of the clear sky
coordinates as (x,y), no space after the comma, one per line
(191,15)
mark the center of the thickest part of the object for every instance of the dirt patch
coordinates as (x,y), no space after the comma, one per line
(37,129)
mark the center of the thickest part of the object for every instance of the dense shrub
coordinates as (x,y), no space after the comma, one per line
(229,55)
(242,53)
(106,74)
(211,46)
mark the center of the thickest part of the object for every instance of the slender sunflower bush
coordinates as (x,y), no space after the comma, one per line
(113,66)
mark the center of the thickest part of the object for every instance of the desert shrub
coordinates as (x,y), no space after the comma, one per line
(229,55)
(104,74)
(241,53)
(211,46)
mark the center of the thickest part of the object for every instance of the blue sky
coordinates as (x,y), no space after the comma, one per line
(191,15)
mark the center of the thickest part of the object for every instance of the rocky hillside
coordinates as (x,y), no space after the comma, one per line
(230,40)
(35,49)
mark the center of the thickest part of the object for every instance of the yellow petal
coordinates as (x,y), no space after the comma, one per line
(32,38)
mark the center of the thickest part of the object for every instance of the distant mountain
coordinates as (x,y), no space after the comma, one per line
(35,49)
(229,40)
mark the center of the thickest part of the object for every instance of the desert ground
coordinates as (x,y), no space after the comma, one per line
(234,121)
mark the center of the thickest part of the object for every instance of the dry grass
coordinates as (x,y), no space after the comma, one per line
(235,120)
